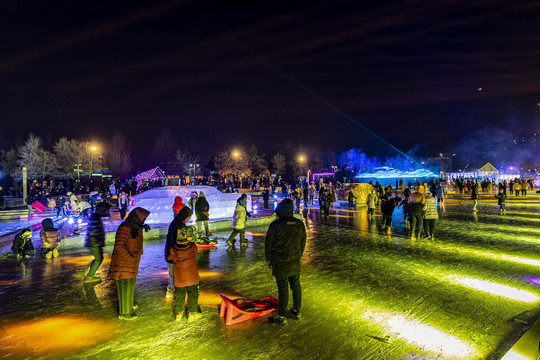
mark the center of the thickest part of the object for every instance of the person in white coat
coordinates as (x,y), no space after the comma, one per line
(239,223)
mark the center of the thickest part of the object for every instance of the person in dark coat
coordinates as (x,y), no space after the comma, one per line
(22,244)
(123,200)
(501,201)
(128,248)
(306,194)
(350,199)
(202,209)
(474,195)
(266,198)
(185,273)
(388,207)
(95,241)
(29,201)
(179,221)
(50,239)
(284,245)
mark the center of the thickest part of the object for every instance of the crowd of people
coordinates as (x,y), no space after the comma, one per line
(284,243)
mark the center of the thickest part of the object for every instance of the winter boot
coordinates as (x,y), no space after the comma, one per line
(295,314)
(55,253)
(79,275)
(49,255)
(92,279)
(277,320)
(194,316)
(127,317)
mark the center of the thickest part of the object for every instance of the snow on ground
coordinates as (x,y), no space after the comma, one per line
(367,295)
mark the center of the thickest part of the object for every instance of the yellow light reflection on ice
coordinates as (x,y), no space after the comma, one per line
(255,233)
(344,216)
(59,334)
(482,253)
(420,334)
(207,274)
(494,288)
(210,298)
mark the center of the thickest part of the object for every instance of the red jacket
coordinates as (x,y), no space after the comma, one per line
(127,250)
(185,271)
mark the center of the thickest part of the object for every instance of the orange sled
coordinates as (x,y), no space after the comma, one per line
(205,246)
(236,311)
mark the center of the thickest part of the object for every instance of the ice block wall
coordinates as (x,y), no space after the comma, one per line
(159,202)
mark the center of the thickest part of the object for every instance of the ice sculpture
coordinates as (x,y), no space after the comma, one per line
(159,202)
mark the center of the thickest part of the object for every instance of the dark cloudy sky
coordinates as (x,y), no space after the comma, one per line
(268,73)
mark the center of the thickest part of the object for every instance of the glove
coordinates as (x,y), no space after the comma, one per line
(146,227)
(248,213)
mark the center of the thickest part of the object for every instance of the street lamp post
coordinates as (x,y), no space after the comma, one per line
(92,150)
(301,160)
(78,171)
(235,155)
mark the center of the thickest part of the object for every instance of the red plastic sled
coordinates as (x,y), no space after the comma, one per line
(205,246)
(236,311)
(39,206)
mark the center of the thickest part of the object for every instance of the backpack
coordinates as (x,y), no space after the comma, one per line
(187,234)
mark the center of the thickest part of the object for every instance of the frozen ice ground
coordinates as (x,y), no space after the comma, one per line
(367,295)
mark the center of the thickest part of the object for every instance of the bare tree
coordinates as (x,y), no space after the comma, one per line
(38,162)
(70,152)
(119,160)
(257,163)
(9,161)
(279,163)
(223,163)
(184,159)
(165,147)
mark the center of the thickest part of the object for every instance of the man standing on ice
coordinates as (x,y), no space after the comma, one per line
(284,245)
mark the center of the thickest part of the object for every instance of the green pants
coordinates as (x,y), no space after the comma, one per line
(97,251)
(126,294)
(237,231)
(192,292)
(205,222)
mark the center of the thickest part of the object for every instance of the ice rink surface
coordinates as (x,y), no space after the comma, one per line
(366,294)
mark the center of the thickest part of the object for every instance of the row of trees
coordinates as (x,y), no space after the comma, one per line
(294,164)
(115,158)
(356,160)
(63,158)
(252,163)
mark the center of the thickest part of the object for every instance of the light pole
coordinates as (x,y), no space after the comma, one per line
(92,150)
(301,160)
(78,171)
(235,155)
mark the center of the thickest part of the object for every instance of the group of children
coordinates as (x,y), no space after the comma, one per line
(22,242)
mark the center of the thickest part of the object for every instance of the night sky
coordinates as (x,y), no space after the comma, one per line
(269,73)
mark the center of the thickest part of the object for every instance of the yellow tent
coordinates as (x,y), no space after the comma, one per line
(488,169)
(360,191)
